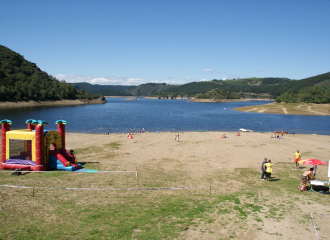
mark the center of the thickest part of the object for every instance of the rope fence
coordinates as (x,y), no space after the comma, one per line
(102,189)
(315,227)
(317,235)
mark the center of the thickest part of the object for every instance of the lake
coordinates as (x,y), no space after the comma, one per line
(119,116)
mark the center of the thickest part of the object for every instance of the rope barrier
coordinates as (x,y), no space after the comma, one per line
(315,227)
(67,171)
(104,189)
(136,173)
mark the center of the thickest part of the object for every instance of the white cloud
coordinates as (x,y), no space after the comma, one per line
(108,80)
(203,80)
(135,81)
(224,78)
(70,78)
(187,78)
(206,70)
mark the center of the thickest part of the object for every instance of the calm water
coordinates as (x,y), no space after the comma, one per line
(119,116)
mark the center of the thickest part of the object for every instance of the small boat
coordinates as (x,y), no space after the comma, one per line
(244,130)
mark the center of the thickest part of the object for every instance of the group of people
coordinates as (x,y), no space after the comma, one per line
(267,167)
(307,175)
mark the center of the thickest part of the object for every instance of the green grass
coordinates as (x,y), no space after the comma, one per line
(161,214)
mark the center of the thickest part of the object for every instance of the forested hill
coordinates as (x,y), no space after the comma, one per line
(120,90)
(105,90)
(249,87)
(21,80)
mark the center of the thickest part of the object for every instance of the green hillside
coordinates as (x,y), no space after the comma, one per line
(249,87)
(320,93)
(236,85)
(119,90)
(148,89)
(21,80)
(104,90)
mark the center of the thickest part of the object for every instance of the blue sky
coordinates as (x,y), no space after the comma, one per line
(130,42)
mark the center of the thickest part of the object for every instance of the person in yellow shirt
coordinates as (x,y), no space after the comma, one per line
(297,157)
(268,169)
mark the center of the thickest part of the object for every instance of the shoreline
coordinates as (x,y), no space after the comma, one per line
(228,133)
(311,109)
(215,100)
(51,103)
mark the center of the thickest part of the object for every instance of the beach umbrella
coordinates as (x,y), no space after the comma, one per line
(312,161)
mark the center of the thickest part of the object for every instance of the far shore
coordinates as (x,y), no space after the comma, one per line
(51,103)
(289,109)
(215,100)
(273,108)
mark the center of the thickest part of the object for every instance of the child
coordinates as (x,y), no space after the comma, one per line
(268,168)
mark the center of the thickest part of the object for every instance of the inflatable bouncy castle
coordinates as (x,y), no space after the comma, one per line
(35,149)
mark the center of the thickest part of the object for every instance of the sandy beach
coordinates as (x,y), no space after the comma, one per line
(220,176)
(204,158)
(289,108)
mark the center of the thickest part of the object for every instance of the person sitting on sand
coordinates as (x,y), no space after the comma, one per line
(224,136)
(308,175)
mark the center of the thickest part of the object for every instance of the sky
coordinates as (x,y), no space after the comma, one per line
(131,42)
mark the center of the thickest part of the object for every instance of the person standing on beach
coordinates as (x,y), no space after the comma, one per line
(269,169)
(263,169)
(177,137)
(297,157)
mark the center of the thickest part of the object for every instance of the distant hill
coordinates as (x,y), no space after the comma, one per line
(104,90)
(119,90)
(149,89)
(248,87)
(309,90)
(21,80)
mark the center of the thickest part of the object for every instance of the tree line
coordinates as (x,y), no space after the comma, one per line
(21,80)
(316,94)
